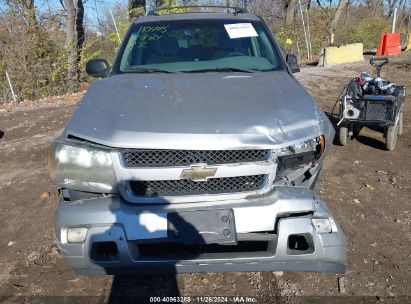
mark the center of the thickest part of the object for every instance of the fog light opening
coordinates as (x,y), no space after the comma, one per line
(300,244)
(104,251)
(76,234)
(297,242)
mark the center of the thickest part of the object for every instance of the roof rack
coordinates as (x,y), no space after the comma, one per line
(236,10)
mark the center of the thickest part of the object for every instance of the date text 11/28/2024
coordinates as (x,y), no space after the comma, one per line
(204,299)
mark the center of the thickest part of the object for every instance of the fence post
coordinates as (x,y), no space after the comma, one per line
(305,32)
(115,26)
(309,34)
(394,20)
(11,88)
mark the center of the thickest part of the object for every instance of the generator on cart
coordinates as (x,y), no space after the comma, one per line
(372,102)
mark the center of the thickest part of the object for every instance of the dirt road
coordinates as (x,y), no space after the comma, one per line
(378,226)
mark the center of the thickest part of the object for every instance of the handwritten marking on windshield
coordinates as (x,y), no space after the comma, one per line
(150,33)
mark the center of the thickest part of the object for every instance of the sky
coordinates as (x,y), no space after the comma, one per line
(92,8)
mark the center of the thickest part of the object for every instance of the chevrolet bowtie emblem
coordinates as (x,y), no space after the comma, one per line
(199,173)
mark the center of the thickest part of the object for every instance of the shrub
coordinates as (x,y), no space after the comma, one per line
(366,31)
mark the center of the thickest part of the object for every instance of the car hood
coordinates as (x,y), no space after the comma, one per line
(197,111)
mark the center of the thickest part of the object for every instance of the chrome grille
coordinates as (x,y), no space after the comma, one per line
(143,158)
(188,187)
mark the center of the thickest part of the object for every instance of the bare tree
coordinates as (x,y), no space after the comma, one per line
(376,7)
(273,12)
(74,37)
(136,7)
(391,5)
(80,32)
(290,7)
(342,4)
(334,15)
(71,38)
(157,3)
(29,11)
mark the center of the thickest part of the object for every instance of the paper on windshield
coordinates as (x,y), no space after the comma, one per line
(240,30)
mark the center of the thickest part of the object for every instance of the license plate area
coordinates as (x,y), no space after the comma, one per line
(202,227)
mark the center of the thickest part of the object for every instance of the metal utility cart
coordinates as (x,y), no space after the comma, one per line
(358,109)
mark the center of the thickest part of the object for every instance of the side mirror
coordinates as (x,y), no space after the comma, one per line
(97,68)
(292,62)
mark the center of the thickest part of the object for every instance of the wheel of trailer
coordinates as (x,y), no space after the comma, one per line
(391,137)
(400,124)
(357,130)
(343,136)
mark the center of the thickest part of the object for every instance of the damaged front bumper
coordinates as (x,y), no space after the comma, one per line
(272,232)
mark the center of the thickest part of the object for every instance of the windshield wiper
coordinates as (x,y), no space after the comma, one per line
(225,69)
(147,70)
(264,70)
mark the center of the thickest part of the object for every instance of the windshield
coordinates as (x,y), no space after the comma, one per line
(198,46)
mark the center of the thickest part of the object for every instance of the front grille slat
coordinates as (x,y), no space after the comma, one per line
(146,158)
(188,187)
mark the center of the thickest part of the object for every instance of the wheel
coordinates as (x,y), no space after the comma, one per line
(400,124)
(391,137)
(343,136)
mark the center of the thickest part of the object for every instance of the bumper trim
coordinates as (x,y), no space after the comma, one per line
(233,267)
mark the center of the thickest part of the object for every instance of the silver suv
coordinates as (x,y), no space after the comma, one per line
(198,151)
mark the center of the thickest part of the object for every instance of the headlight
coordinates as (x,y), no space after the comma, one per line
(306,152)
(80,167)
